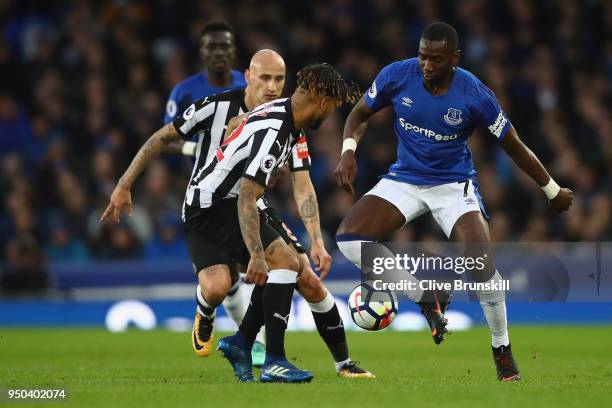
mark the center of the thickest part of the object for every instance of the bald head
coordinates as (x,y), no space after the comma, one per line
(267,59)
(265,78)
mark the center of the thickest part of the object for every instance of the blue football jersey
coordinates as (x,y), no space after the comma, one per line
(432,131)
(194,88)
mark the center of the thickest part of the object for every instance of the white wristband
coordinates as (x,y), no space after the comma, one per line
(189,148)
(349,144)
(551,189)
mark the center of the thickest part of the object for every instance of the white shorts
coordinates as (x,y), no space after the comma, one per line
(447,202)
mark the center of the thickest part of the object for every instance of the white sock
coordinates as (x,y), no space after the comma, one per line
(235,304)
(323,306)
(494,307)
(261,335)
(352,251)
(204,308)
(495,312)
(339,364)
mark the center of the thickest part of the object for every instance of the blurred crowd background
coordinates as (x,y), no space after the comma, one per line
(83,84)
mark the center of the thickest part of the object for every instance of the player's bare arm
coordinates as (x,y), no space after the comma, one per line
(306,201)
(181,147)
(354,128)
(121,197)
(527,161)
(248,216)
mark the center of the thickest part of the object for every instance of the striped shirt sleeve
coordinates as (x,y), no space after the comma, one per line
(264,157)
(196,117)
(300,158)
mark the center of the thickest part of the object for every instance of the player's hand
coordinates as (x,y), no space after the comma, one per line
(257,270)
(346,170)
(321,258)
(120,199)
(562,201)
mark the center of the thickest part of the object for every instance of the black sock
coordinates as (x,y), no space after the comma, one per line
(254,317)
(277,305)
(331,329)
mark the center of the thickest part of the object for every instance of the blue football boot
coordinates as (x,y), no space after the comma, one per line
(283,371)
(238,355)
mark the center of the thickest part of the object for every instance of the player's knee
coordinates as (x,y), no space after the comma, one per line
(215,281)
(346,227)
(285,258)
(310,286)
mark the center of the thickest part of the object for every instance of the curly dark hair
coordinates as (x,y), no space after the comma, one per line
(324,80)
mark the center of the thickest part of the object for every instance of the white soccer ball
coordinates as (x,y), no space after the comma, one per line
(372,309)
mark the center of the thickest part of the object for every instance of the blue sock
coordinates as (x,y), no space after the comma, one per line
(239,340)
(274,359)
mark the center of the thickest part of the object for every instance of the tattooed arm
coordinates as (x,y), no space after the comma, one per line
(248,216)
(306,200)
(121,197)
(183,147)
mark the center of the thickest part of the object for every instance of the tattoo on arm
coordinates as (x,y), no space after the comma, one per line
(175,147)
(149,150)
(306,200)
(248,215)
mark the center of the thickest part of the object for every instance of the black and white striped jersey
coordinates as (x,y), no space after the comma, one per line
(208,119)
(264,141)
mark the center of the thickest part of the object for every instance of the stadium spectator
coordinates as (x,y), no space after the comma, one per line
(168,242)
(82,85)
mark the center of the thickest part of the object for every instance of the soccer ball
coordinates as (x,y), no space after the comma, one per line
(372,309)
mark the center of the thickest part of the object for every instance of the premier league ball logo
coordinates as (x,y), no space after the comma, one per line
(267,163)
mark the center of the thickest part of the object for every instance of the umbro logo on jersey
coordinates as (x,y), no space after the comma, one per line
(470,201)
(283,318)
(406,101)
(453,117)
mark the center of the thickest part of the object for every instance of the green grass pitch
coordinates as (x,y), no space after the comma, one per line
(561,366)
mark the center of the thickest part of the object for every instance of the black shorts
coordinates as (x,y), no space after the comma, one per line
(214,237)
(275,221)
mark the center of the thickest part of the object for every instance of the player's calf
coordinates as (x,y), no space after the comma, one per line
(329,323)
(214,281)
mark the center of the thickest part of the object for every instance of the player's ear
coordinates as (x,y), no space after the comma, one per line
(246,76)
(325,103)
(202,46)
(456,57)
